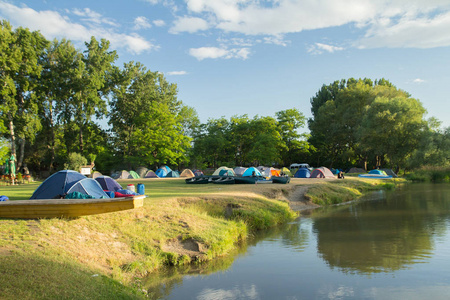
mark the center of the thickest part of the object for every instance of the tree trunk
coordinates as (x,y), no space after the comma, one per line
(13,137)
(52,142)
(21,154)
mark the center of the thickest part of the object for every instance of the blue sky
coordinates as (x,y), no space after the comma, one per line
(257,57)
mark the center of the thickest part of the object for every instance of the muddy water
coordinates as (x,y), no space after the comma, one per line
(393,245)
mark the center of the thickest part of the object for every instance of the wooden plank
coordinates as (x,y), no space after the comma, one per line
(68,208)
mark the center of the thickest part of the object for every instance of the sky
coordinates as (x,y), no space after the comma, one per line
(257,57)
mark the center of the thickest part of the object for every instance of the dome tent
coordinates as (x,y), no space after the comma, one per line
(252,171)
(88,186)
(57,184)
(239,171)
(134,174)
(217,172)
(187,173)
(123,175)
(163,171)
(109,184)
(151,174)
(302,173)
(141,171)
(322,172)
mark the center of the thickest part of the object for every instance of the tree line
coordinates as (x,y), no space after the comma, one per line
(53,94)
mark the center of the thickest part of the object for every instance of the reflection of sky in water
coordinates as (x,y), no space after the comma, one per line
(289,265)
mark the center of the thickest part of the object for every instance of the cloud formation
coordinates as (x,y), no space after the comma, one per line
(54,25)
(319,48)
(214,52)
(176,73)
(189,24)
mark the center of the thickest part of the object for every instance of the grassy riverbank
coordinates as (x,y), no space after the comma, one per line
(105,256)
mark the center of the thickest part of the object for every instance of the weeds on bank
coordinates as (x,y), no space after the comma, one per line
(430,174)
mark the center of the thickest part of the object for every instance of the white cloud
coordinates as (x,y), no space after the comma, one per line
(214,52)
(54,25)
(188,24)
(176,73)
(141,23)
(319,48)
(387,23)
(418,80)
(159,23)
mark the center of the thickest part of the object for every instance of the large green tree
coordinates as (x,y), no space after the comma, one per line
(147,119)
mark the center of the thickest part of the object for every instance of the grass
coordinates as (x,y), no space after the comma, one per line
(105,256)
(335,192)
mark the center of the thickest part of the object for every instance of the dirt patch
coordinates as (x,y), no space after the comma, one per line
(298,201)
(190,247)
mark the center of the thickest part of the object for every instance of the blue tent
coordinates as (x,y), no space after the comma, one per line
(252,171)
(226,173)
(107,183)
(302,173)
(57,184)
(88,186)
(377,172)
(163,171)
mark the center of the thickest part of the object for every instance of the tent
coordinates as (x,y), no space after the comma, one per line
(95,174)
(134,175)
(390,172)
(268,172)
(187,173)
(57,184)
(122,175)
(356,170)
(217,172)
(198,173)
(88,186)
(150,174)
(109,184)
(239,171)
(141,171)
(322,172)
(163,171)
(377,172)
(286,171)
(227,172)
(302,173)
(252,171)
(173,174)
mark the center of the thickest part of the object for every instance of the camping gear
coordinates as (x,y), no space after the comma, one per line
(173,174)
(107,183)
(88,186)
(131,187)
(151,174)
(141,171)
(239,171)
(217,172)
(252,171)
(322,172)
(187,173)
(390,172)
(66,208)
(163,171)
(57,184)
(281,179)
(198,173)
(285,171)
(302,173)
(197,180)
(122,175)
(140,189)
(134,174)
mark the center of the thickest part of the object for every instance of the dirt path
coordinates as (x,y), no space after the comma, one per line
(298,201)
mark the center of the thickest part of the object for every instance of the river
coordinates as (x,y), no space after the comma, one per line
(390,245)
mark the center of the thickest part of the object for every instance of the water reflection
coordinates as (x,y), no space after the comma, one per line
(391,246)
(382,236)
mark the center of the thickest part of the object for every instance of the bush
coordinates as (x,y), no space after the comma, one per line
(75,161)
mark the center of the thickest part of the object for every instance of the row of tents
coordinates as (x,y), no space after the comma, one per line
(142,172)
(268,172)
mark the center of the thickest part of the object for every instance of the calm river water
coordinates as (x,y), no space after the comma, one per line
(392,245)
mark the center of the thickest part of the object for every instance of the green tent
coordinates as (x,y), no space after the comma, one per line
(134,175)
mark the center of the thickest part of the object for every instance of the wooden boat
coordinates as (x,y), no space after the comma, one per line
(197,180)
(66,208)
(281,179)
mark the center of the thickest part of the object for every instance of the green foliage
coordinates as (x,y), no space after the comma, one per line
(75,161)
(430,174)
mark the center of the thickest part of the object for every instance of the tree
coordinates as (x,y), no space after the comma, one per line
(392,127)
(19,70)
(289,122)
(147,118)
